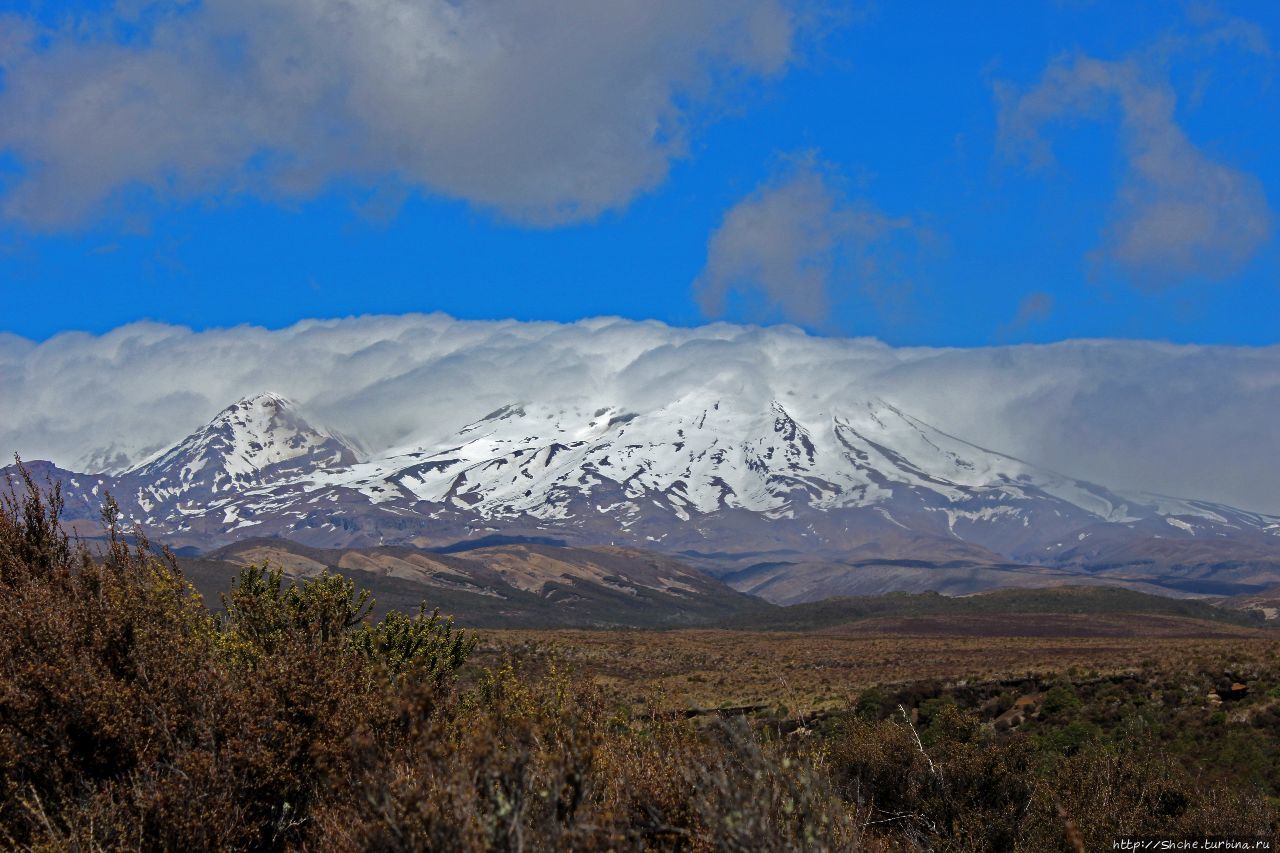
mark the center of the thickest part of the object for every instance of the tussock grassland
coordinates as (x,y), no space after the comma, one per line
(132,716)
(806,672)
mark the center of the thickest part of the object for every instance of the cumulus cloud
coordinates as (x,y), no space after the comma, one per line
(547,112)
(1182,420)
(1179,213)
(786,249)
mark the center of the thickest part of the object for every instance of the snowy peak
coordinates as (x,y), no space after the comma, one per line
(703,453)
(256,440)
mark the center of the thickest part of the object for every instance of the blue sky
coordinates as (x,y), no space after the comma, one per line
(919,172)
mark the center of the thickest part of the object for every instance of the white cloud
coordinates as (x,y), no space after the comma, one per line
(791,246)
(1185,420)
(547,111)
(1178,213)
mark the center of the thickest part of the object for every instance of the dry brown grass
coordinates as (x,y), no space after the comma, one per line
(807,672)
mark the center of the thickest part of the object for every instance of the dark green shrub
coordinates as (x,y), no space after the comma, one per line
(1059,701)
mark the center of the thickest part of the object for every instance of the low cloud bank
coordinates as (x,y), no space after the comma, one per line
(1192,421)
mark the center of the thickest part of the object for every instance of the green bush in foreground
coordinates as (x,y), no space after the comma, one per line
(262,616)
(131,717)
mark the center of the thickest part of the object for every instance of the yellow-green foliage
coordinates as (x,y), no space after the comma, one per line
(262,615)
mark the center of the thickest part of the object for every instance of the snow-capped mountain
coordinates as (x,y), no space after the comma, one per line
(258,440)
(705,455)
(739,476)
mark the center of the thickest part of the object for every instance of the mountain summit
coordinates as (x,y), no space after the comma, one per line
(257,440)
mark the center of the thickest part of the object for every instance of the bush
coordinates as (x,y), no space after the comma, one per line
(958,792)
(1069,739)
(967,792)
(262,616)
(131,717)
(1059,701)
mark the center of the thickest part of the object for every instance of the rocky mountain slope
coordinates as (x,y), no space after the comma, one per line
(527,585)
(784,498)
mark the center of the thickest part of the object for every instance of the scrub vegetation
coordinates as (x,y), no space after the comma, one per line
(132,715)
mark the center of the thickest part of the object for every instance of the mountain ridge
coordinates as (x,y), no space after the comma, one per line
(828,492)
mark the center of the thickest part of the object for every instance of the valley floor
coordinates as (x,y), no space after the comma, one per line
(816,671)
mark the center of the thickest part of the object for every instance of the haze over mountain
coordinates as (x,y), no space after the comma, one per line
(1180,420)
(792,492)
